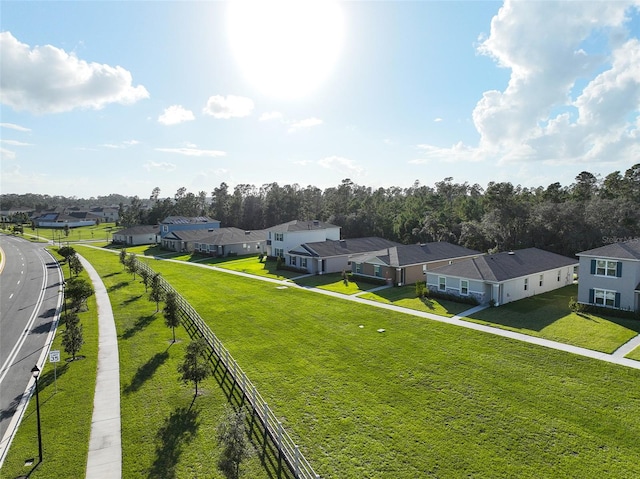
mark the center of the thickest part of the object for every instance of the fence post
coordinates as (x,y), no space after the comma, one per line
(279,436)
(265,412)
(297,460)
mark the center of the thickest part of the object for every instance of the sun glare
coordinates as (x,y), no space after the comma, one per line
(285,48)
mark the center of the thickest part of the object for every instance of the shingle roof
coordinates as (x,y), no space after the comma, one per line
(621,250)
(219,236)
(138,230)
(329,248)
(184,220)
(405,255)
(504,266)
(297,225)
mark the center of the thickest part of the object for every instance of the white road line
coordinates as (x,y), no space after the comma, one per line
(23,337)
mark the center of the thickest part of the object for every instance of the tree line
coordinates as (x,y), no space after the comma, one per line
(564,219)
(561,218)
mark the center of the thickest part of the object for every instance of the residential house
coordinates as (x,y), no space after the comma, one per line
(406,264)
(504,277)
(184,223)
(183,241)
(107,214)
(56,219)
(284,237)
(231,242)
(332,256)
(137,235)
(610,276)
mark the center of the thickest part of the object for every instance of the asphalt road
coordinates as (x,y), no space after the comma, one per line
(30,299)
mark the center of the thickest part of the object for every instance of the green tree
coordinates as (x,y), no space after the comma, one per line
(75,265)
(146,278)
(131,264)
(232,436)
(66,230)
(78,291)
(123,257)
(72,338)
(66,252)
(171,318)
(157,293)
(196,366)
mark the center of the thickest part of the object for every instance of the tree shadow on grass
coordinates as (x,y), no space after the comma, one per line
(131,299)
(178,430)
(141,323)
(427,302)
(115,273)
(120,285)
(145,372)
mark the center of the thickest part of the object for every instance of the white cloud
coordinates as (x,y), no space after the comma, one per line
(302,124)
(120,146)
(163,166)
(341,164)
(229,106)
(13,126)
(47,79)
(271,115)
(192,151)
(176,114)
(574,88)
(7,154)
(437,120)
(15,142)
(519,123)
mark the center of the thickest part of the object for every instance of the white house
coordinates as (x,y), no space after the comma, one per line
(285,237)
(504,277)
(137,235)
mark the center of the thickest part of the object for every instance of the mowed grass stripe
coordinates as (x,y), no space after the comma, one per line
(422,399)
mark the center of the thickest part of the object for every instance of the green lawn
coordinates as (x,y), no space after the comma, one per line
(83,233)
(65,413)
(422,399)
(635,354)
(334,282)
(164,435)
(251,265)
(548,316)
(405,297)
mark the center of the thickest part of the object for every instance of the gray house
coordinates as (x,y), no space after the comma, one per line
(232,242)
(610,276)
(137,235)
(504,277)
(184,223)
(333,256)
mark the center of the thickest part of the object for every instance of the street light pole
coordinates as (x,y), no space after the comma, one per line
(36,372)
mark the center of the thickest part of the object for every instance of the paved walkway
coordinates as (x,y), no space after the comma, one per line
(105,444)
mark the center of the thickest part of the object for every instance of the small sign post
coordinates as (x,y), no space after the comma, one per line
(54,357)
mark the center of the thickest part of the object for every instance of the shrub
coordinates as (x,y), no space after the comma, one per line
(420,289)
(453,297)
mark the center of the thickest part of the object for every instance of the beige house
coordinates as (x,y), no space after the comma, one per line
(407,264)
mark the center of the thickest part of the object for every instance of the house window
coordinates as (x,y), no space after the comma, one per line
(303,262)
(464,287)
(165,228)
(603,297)
(358,268)
(559,274)
(541,280)
(526,284)
(278,236)
(278,252)
(607,268)
(292,260)
(442,283)
(377,271)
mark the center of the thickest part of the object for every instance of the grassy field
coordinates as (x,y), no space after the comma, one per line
(405,297)
(65,413)
(548,316)
(251,265)
(334,282)
(165,434)
(635,354)
(103,231)
(423,399)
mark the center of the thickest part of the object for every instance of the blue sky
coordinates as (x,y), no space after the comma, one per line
(121,97)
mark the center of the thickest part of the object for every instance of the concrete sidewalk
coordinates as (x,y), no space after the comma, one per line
(105,444)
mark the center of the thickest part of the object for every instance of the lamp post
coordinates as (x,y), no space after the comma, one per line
(36,372)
